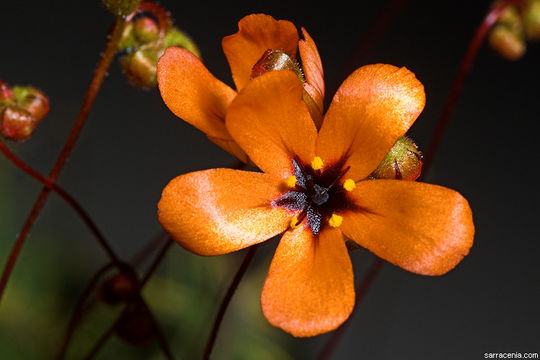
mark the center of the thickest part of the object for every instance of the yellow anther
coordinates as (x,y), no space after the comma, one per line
(317,163)
(335,220)
(294,223)
(291,181)
(349,184)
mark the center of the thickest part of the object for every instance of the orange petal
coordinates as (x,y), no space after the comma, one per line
(423,228)
(313,70)
(217,211)
(373,108)
(309,289)
(192,93)
(271,122)
(256,34)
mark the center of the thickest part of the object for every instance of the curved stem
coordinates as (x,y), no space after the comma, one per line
(477,40)
(162,342)
(361,292)
(489,20)
(79,308)
(93,89)
(227,299)
(64,195)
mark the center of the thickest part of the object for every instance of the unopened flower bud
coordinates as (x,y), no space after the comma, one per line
(146,29)
(403,162)
(6,93)
(175,37)
(136,325)
(118,289)
(16,123)
(32,100)
(531,20)
(140,67)
(275,60)
(507,42)
(121,7)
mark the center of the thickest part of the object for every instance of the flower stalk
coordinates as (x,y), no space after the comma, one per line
(93,89)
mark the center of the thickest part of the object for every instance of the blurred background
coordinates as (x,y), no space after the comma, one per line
(133,145)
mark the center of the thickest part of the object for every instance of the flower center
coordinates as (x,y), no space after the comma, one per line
(318,192)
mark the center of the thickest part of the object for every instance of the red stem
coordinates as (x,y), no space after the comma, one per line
(361,293)
(444,119)
(64,195)
(464,68)
(93,89)
(227,299)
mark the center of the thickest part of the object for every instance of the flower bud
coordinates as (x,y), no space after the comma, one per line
(6,94)
(507,42)
(136,325)
(16,123)
(145,29)
(120,7)
(403,162)
(140,67)
(175,37)
(32,100)
(118,289)
(275,60)
(531,20)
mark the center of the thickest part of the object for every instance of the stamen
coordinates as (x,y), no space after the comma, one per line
(294,223)
(317,163)
(349,184)
(291,182)
(335,220)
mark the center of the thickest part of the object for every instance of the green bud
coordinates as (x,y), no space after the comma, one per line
(175,37)
(276,60)
(531,20)
(32,100)
(128,40)
(145,29)
(507,42)
(140,67)
(121,7)
(403,162)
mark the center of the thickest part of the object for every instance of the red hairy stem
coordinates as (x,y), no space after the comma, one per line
(63,195)
(459,81)
(361,293)
(227,299)
(93,89)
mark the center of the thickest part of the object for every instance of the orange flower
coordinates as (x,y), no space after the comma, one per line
(316,192)
(192,93)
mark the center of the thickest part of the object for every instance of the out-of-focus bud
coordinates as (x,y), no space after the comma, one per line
(136,325)
(403,162)
(121,7)
(531,19)
(146,29)
(507,43)
(21,110)
(6,94)
(275,60)
(16,123)
(118,289)
(175,37)
(140,67)
(507,36)
(32,100)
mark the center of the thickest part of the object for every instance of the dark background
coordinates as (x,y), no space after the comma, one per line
(133,145)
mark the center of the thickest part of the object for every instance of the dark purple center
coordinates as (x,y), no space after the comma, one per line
(317,194)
